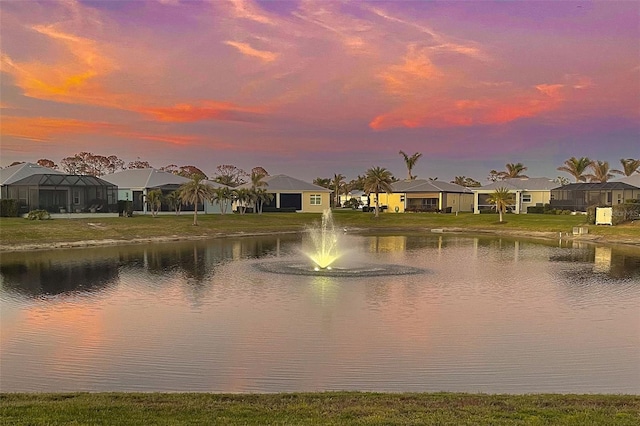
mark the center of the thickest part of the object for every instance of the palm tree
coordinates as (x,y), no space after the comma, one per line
(243,197)
(154,199)
(601,172)
(257,180)
(501,198)
(195,192)
(513,171)
(173,200)
(337,183)
(576,167)
(323,182)
(629,167)
(257,184)
(378,179)
(261,197)
(410,161)
(223,195)
(465,181)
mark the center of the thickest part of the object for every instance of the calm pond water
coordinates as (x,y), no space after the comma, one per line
(488,315)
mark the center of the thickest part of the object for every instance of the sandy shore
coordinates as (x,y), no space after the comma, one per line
(468,231)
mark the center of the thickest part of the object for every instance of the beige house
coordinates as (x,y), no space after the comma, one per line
(421,195)
(291,194)
(527,192)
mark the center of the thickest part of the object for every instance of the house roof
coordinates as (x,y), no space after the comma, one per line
(61,179)
(422,185)
(277,183)
(523,184)
(596,186)
(144,178)
(633,180)
(18,172)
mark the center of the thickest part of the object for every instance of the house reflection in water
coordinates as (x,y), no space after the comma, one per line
(42,277)
(616,262)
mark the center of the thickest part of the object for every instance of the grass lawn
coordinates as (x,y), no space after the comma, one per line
(21,231)
(329,408)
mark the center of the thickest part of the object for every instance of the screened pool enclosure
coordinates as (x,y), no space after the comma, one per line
(59,193)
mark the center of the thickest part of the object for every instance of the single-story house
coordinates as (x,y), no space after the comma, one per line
(135,184)
(580,196)
(291,194)
(527,192)
(41,188)
(420,195)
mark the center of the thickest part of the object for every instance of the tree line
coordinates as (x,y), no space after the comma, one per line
(90,164)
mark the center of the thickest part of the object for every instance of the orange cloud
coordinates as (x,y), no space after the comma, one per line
(73,79)
(247,10)
(43,129)
(416,70)
(172,139)
(439,113)
(211,110)
(247,50)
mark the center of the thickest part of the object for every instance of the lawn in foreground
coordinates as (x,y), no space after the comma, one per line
(21,231)
(332,408)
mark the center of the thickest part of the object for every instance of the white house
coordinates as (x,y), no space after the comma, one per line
(135,184)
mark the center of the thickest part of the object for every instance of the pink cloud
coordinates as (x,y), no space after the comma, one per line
(209,110)
(444,112)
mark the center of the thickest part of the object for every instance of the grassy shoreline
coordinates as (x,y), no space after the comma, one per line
(20,234)
(327,408)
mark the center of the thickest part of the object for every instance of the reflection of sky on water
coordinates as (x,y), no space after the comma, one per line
(493,315)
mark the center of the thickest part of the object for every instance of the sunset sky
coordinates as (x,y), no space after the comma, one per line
(313,88)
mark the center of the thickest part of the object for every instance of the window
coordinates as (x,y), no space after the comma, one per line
(526,198)
(316,199)
(76,196)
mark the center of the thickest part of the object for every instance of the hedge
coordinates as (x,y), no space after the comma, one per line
(9,208)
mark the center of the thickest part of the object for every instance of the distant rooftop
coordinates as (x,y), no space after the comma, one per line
(277,183)
(422,185)
(523,184)
(18,172)
(144,178)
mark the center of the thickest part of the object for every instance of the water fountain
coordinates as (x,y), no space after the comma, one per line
(325,251)
(325,243)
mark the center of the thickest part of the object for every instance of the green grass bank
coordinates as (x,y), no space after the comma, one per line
(328,408)
(18,233)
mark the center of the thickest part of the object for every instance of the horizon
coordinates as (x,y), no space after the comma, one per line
(313,89)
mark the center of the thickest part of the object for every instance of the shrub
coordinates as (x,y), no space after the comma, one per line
(535,209)
(9,208)
(125,208)
(352,203)
(566,211)
(625,212)
(38,215)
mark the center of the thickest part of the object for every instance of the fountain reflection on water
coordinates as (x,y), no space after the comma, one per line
(325,251)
